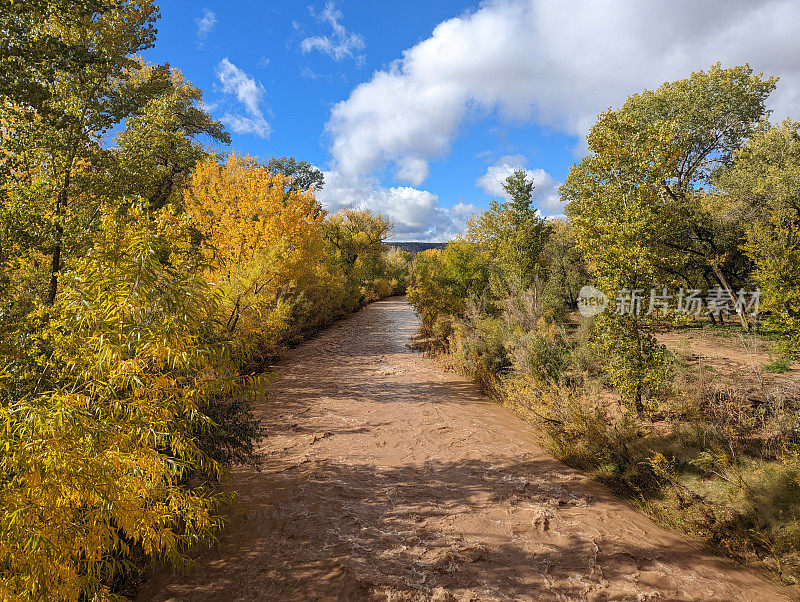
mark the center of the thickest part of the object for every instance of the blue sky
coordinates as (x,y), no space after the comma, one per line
(418,110)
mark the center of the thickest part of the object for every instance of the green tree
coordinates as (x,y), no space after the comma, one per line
(38,44)
(302,174)
(528,230)
(513,234)
(564,264)
(356,239)
(637,366)
(444,281)
(762,189)
(163,140)
(640,202)
(643,211)
(55,112)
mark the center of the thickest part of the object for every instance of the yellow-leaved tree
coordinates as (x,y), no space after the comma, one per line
(261,236)
(101,412)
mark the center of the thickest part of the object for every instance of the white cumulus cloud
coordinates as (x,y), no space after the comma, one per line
(556,64)
(341,43)
(545,192)
(416,214)
(412,170)
(249,93)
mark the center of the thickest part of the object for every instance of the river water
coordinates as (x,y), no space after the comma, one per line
(388,478)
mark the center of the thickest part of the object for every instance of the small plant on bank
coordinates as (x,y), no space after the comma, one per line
(637,366)
(779,365)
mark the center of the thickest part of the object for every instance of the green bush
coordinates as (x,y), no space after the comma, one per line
(542,353)
(444,281)
(481,346)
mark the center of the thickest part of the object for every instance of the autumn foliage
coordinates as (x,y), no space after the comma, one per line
(144,289)
(257,239)
(99,409)
(110,449)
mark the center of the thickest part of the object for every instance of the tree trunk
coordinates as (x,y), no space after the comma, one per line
(61,206)
(55,265)
(726,285)
(720,275)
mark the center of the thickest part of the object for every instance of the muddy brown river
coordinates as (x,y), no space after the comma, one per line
(389,478)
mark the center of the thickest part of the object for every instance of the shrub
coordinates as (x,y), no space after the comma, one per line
(397,266)
(444,281)
(523,309)
(481,345)
(383,288)
(100,422)
(542,353)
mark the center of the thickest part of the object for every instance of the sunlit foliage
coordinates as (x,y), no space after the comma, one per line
(763,183)
(143,282)
(100,396)
(257,238)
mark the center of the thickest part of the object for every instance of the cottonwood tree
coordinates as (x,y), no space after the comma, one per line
(644,211)
(762,186)
(356,238)
(257,243)
(640,201)
(564,264)
(163,139)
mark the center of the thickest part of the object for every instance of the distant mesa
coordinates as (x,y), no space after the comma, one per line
(416,247)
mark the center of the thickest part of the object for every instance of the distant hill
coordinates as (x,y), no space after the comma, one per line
(416,247)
